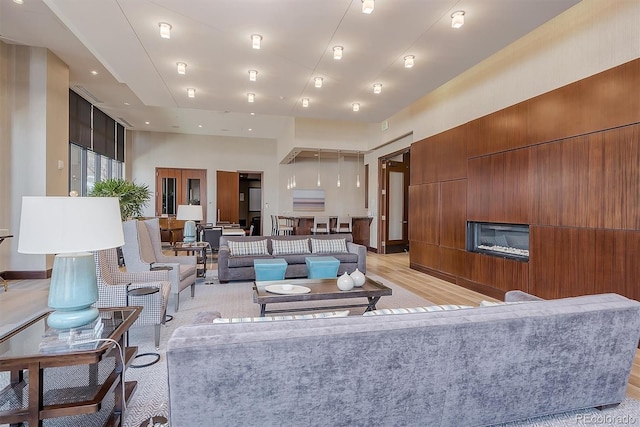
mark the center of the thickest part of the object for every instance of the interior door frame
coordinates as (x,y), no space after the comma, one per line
(181,176)
(386,165)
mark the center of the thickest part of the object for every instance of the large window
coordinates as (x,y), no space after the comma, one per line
(96,146)
(87,168)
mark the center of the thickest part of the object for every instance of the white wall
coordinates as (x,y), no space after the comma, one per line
(149,150)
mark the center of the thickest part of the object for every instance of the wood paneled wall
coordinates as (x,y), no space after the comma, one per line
(566,162)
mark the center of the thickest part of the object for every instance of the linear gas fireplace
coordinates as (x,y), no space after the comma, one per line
(502,240)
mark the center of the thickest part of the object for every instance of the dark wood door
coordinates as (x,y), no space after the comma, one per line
(228,196)
(397,212)
(176,186)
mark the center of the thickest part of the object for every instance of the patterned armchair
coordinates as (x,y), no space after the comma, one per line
(142,251)
(113,285)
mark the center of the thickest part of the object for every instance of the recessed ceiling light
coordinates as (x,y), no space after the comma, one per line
(182,68)
(18,1)
(191,92)
(251,97)
(355,106)
(408,61)
(165,30)
(94,72)
(253,114)
(256,40)
(317,82)
(249,129)
(367,6)
(457,19)
(146,123)
(253,75)
(199,126)
(377,88)
(126,103)
(305,102)
(337,52)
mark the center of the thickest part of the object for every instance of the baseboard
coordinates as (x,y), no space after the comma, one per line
(435,273)
(372,249)
(483,289)
(30,275)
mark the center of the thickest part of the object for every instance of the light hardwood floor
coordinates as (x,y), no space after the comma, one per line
(394,267)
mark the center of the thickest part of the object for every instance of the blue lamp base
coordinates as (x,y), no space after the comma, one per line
(189,232)
(73,290)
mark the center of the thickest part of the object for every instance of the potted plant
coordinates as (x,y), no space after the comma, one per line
(133,197)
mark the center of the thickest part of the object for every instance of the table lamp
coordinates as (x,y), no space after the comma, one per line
(190,213)
(70,227)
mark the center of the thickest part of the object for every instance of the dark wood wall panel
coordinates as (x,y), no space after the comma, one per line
(453,261)
(622,178)
(425,255)
(562,261)
(617,266)
(500,131)
(424,211)
(453,214)
(451,154)
(500,273)
(567,163)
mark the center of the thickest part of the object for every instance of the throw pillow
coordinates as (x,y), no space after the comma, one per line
(286,247)
(249,247)
(343,313)
(328,246)
(427,309)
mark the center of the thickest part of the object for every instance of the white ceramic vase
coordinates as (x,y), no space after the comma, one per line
(345,282)
(358,278)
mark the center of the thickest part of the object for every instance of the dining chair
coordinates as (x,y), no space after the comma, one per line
(320,225)
(343,225)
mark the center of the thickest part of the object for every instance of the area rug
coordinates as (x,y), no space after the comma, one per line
(235,300)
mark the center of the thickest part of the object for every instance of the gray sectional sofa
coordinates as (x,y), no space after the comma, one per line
(469,367)
(240,267)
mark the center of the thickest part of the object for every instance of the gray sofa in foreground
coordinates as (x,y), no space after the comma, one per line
(232,267)
(469,367)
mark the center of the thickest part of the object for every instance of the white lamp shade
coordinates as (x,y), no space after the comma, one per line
(55,225)
(189,212)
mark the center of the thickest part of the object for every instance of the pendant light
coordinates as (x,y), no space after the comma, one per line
(318,168)
(293,180)
(338,183)
(358,172)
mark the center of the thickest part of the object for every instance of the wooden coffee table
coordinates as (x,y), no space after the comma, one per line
(321,290)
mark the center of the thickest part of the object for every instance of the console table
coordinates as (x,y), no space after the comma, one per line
(86,387)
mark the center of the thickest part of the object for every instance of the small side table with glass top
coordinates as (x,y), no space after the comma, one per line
(2,280)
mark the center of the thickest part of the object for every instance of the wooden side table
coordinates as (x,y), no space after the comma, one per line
(73,384)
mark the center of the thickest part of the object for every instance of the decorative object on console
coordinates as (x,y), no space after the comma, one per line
(345,282)
(70,227)
(358,278)
(189,213)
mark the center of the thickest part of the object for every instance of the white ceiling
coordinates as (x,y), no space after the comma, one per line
(120,40)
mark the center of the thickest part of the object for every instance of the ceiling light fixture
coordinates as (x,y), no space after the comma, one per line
(377,88)
(367,6)
(182,68)
(165,30)
(317,81)
(191,92)
(457,19)
(305,102)
(355,106)
(94,72)
(408,61)
(18,1)
(337,52)
(253,75)
(251,97)
(256,39)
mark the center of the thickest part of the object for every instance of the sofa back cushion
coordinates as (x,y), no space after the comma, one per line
(248,247)
(328,246)
(287,247)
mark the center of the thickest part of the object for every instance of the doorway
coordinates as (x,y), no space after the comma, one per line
(394,202)
(239,199)
(180,187)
